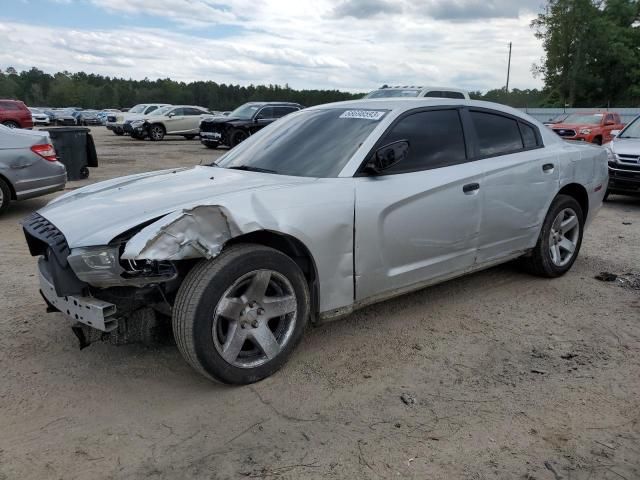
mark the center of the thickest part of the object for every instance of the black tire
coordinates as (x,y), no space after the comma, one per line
(118,132)
(540,261)
(213,146)
(84,172)
(11,124)
(136,136)
(199,296)
(237,137)
(597,140)
(5,196)
(156,132)
(189,137)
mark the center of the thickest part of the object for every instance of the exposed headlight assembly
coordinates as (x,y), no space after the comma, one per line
(585,131)
(101,267)
(137,123)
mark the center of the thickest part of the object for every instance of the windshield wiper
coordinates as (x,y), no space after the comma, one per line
(626,136)
(249,168)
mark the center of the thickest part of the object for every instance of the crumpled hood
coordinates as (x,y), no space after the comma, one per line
(95,214)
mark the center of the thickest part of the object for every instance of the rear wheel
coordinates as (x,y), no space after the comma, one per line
(597,140)
(11,124)
(560,239)
(156,132)
(5,195)
(211,145)
(237,318)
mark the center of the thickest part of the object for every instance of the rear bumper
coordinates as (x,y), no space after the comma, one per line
(87,310)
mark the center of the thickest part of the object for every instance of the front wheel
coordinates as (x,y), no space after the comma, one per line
(560,239)
(156,132)
(238,317)
(238,137)
(11,124)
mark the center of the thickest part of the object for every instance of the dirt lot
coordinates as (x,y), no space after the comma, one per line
(502,375)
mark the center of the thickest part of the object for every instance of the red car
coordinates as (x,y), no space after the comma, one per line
(15,114)
(592,127)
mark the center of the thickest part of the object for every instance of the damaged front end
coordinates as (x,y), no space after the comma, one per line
(98,290)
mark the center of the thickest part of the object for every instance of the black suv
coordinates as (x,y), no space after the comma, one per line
(242,122)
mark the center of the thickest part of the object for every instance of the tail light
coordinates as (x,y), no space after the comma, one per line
(46,151)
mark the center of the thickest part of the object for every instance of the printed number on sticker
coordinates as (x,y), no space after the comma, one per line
(363,114)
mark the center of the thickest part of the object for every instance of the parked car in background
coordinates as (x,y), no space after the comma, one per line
(591,127)
(102,114)
(413,92)
(243,122)
(181,120)
(88,117)
(38,117)
(15,114)
(115,121)
(323,212)
(28,165)
(557,119)
(65,117)
(624,160)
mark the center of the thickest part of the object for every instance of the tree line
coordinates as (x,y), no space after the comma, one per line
(88,90)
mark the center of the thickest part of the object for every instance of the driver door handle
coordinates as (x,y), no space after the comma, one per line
(548,167)
(469,188)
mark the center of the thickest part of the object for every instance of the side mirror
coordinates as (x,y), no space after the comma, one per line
(609,122)
(388,156)
(615,133)
(171,115)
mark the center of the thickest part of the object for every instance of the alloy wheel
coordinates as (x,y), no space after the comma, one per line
(255,319)
(564,236)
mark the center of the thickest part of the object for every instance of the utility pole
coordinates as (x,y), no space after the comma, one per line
(509,67)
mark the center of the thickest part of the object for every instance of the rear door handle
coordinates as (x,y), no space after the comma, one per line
(470,188)
(547,167)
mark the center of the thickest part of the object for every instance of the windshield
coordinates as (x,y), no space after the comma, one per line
(246,111)
(138,109)
(309,143)
(582,119)
(632,130)
(393,92)
(160,111)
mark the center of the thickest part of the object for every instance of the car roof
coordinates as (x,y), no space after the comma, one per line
(284,104)
(403,104)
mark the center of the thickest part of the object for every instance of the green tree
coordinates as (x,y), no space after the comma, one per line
(591,51)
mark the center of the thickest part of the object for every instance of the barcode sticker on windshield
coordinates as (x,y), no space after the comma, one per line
(363,114)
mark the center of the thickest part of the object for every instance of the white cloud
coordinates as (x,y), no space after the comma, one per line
(304,44)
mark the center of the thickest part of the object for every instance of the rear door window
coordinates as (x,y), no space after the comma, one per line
(266,113)
(496,134)
(280,112)
(529,136)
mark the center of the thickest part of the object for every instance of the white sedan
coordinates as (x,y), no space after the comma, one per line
(322,212)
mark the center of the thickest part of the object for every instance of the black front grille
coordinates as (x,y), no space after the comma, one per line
(42,235)
(44,238)
(209,127)
(629,159)
(563,132)
(625,166)
(111,118)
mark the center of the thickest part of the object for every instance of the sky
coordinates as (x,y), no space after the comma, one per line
(353,45)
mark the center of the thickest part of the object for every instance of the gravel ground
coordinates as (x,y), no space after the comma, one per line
(495,375)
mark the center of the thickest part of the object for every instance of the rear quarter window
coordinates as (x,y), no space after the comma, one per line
(496,134)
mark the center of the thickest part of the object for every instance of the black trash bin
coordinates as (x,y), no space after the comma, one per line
(75,149)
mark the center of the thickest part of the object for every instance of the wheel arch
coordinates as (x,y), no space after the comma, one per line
(294,249)
(12,189)
(579,192)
